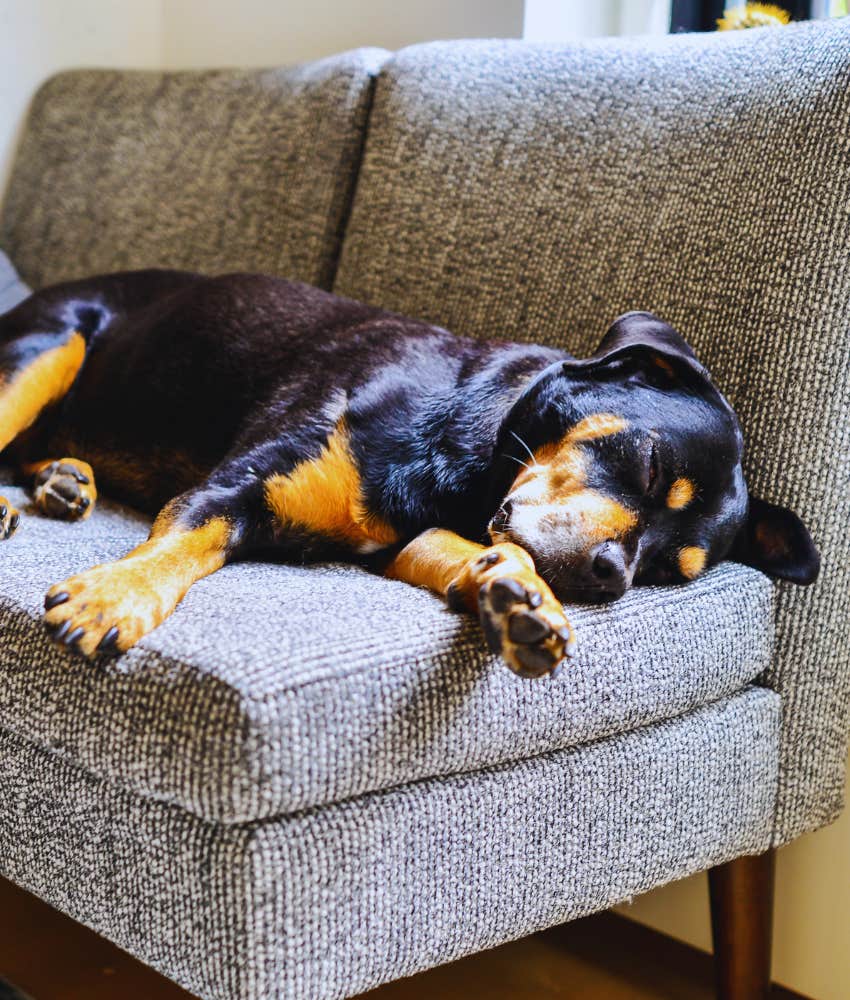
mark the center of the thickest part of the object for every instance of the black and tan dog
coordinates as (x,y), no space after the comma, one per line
(261,417)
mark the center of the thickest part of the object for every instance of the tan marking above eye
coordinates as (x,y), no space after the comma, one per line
(692,561)
(596,425)
(681,493)
(565,461)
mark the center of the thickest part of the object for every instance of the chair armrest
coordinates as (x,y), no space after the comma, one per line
(796,412)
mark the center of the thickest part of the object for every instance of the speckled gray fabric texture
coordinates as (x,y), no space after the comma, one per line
(536,192)
(209,171)
(332,901)
(12,289)
(276,688)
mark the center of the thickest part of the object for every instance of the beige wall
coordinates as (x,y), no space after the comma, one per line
(224,32)
(811,952)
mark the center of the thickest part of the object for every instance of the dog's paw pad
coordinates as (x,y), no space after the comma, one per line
(65,489)
(525,627)
(9,519)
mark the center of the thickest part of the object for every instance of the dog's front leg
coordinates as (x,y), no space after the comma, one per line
(521,617)
(110,607)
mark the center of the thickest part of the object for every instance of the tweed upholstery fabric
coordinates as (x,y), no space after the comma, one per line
(332,901)
(12,289)
(210,171)
(536,192)
(275,688)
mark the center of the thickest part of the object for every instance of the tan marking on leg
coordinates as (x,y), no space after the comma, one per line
(680,494)
(434,560)
(324,496)
(521,618)
(27,393)
(692,561)
(140,591)
(9,518)
(63,488)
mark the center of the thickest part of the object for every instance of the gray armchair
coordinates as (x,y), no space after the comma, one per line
(310,781)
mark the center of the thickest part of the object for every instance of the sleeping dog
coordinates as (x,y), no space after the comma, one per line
(261,418)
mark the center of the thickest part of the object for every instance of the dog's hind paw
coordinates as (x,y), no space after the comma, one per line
(9,519)
(65,489)
(522,619)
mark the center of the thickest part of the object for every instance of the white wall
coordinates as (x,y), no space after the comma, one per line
(561,20)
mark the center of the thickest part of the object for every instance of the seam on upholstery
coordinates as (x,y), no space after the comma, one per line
(775,839)
(492,768)
(348,199)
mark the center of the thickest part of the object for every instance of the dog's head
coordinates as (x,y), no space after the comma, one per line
(632,473)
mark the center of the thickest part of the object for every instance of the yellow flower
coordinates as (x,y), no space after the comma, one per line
(753,15)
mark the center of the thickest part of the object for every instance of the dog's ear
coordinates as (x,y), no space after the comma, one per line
(775,540)
(641,337)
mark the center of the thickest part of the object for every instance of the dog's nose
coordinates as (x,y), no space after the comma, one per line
(609,570)
(502,516)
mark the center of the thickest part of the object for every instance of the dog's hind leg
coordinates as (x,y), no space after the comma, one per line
(522,619)
(109,608)
(40,356)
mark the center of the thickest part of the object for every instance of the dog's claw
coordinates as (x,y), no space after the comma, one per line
(567,634)
(56,599)
(9,519)
(74,637)
(59,631)
(107,643)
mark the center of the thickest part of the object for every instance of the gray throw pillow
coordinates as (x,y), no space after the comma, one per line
(12,289)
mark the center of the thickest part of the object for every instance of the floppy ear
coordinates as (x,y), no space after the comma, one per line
(644,335)
(776,541)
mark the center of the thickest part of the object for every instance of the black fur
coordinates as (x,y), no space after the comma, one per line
(202,388)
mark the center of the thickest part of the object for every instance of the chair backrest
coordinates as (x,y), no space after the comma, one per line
(211,171)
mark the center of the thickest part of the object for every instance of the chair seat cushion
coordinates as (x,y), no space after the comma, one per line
(276,688)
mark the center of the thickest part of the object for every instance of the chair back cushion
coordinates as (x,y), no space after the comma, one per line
(209,171)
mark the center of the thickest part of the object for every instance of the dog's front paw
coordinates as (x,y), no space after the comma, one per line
(102,611)
(9,519)
(65,489)
(521,617)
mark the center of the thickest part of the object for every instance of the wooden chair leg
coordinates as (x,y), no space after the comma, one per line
(742,924)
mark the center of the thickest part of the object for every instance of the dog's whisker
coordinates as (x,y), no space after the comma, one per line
(513,458)
(530,452)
